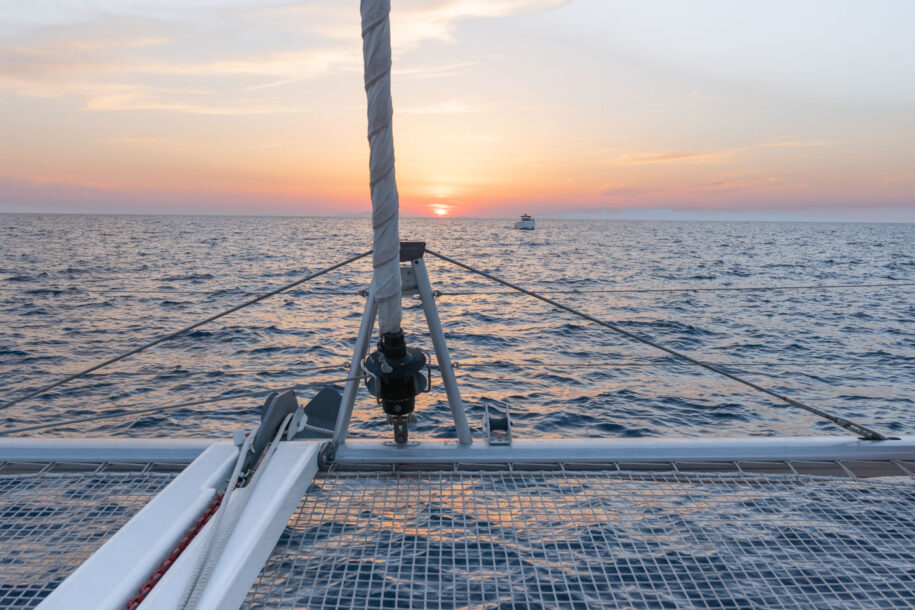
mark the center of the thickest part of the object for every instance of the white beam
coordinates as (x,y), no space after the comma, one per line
(348,400)
(645,450)
(271,503)
(159,450)
(113,575)
(446,370)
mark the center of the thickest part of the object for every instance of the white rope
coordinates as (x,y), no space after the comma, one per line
(210,557)
(191,585)
(376,53)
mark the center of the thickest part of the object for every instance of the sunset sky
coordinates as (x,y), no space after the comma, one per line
(783,108)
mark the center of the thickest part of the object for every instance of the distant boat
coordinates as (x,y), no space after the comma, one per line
(526,223)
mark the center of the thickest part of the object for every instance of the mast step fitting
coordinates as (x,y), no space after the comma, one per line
(497,426)
(401,429)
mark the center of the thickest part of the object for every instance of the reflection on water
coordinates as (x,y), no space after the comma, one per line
(76,289)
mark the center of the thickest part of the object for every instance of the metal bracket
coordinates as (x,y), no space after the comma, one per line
(497,427)
(411,250)
(320,416)
(276,408)
(408,281)
(415,280)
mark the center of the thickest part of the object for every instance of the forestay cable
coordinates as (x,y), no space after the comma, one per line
(184,330)
(686,289)
(865,432)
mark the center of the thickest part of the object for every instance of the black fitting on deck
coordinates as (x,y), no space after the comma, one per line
(395,378)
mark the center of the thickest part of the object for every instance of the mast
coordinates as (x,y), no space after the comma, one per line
(394,368)
(376,53)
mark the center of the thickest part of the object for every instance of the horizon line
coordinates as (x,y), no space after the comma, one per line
(545,217)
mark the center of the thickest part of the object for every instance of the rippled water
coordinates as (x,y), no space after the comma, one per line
(77,289)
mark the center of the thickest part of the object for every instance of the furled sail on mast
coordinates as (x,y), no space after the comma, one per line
(376,52)
(394,368)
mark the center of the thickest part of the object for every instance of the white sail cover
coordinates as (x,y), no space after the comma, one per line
(376,52)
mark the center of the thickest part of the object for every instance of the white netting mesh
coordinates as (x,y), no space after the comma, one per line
(587,539)
(53,516)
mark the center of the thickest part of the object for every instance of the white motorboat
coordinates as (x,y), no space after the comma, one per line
(526,223)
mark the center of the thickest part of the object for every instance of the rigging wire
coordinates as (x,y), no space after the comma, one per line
(902,363)
(75,291)
(157,409)
(515,290)
(187,372)
(865,432)
(684,289)
(182,331)
(611,365)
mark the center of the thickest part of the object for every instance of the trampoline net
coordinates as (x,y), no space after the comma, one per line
(53,516)
(587,539)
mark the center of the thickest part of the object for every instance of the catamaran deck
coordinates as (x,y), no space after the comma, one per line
(624,534)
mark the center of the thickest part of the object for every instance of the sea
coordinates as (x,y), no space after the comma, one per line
(820,312)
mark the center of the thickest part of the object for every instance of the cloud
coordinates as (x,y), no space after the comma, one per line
(138,55)
(483,138)
(628,192)
(727,182)
(669,156)
(899,179)
(62,67)
(696,96)
(417,21)
(793,144)
(705,156)
(140,100)
(446,107)
(19,195)
(131,140)
(119,74)
(445,70)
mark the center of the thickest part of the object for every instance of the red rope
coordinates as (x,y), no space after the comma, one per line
(173,556)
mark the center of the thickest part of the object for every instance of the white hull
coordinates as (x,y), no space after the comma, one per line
(525,225)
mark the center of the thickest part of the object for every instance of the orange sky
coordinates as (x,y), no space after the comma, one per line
(543,106)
